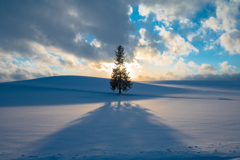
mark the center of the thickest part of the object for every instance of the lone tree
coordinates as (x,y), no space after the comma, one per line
(120,78)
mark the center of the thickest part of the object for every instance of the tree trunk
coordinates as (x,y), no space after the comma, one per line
(120,91)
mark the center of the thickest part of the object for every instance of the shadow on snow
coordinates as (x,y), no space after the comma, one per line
(114,129)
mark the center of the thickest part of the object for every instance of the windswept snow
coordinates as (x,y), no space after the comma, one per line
(74,117)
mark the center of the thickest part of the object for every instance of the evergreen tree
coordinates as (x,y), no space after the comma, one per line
(120,78)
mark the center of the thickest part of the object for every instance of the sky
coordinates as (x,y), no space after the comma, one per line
(163,40)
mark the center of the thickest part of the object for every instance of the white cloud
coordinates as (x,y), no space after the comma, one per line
(171,10)
(130,10)
(175,43)
(182,66)
(64,59)
(226,68)
(33,52)
(209,47)
(201,32)
(193,65)
(53,57)
(146,50)
(40,60)
(212,23)
(5,56)
(186,23)
(231,42)
(78,38)
(8,65)
(166,59)
(147,53)
(190,36)
(96,43)
(169,76)
(206,69)
(225,21)
(143,40)
(144,10)
(144,78)
(227,12)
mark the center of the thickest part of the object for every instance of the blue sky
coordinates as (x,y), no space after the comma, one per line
(164,40)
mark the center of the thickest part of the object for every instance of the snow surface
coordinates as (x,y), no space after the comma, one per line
(74,117)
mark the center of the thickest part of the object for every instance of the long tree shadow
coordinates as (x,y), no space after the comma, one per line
(116,130)
(112,130)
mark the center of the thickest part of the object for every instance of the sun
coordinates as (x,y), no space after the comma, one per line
(133,68)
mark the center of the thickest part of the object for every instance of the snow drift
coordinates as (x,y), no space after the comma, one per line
(68,117)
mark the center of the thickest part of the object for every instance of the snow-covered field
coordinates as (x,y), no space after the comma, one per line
(73,117)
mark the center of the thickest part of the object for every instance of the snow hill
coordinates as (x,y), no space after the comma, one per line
(74,90)
(80,89)
(77,117)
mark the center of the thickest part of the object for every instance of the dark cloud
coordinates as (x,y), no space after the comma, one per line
(56,24)
(23,74)
(20,74)
(4,76)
